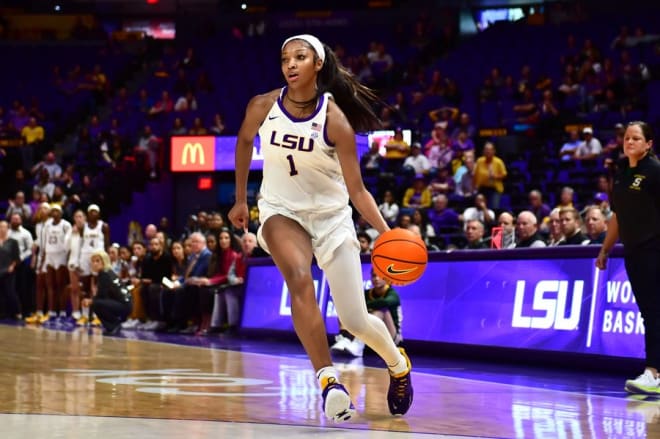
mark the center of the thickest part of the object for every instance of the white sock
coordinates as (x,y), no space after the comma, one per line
(325,374)
(62,314)
(40,313)
(52,314)
(85,311)
(75,315)
(400,367)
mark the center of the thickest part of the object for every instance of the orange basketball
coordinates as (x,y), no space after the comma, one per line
(399,256)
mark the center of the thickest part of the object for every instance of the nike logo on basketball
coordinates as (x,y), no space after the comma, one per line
(272,117)
(392,270)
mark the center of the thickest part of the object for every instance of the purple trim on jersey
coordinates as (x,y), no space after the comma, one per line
(325,134)
(292,117)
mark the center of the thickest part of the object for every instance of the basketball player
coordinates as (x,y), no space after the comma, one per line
(95,237)
(310,171)
(41,218)
(75,242)
(56,234)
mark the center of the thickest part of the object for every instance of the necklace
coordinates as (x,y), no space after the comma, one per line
(302,104)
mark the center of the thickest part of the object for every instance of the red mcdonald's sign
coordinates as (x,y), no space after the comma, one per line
(193,154)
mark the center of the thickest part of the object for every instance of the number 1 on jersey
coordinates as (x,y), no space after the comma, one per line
(292,165)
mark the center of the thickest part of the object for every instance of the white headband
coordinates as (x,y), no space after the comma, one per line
(312,40)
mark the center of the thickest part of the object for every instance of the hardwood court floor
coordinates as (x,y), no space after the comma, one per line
(81,384)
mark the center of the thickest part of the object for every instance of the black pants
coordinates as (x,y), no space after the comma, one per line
(152,301)
(643,268)
(8,298)
(112,313)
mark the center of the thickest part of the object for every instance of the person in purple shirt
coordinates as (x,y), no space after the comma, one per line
(442,217)
(537,206)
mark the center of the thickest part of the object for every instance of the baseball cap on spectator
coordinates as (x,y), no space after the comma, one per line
(45,205)
(94,207)
(601,196)
(618,126)
(587,130)
(56,207)
(416,145)
(442,125)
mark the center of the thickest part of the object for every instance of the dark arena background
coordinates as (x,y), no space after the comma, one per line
(129,110)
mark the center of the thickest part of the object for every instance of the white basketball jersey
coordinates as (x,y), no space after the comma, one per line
(57,237)
(93,239)
(301,169)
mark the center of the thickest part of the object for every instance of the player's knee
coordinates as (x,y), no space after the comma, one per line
(356,325)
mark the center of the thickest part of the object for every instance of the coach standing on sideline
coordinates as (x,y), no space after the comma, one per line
(9,258)
(636,219)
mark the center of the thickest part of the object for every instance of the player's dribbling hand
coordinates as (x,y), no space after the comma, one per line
(601,261)
(238,215)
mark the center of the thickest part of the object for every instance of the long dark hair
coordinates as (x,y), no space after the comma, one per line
(354,99)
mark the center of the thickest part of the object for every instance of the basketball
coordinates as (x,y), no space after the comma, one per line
(399,256)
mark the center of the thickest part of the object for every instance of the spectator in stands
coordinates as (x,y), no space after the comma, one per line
(164,105)
(489,175)
(568,149)
(218,125)
(479,212)
(370,162)
(156,265)
(177,302)
(18,206)
(17,184)
(590,148)
(198,128)
(186,102)
(365,242)
(464,124)
(178,128)
(383,302)
(505,221)
(418,195)
(570,227)
(438,149)
(9,259)
(178,262)
(613,149)
(464,178)
(527,231)
(474,235)
(44,185)
(442,218)
(149,145)
(389,208)
(555,235)
(181,84)
(110,301)
(442,183)
(32,133)
(426,229)
(566,197)
(49,163)
(595,224)
(396,150)
(204,83)
(602,200)
(462,143)
(537,206)
(416,163)
(144,102)
(361,225)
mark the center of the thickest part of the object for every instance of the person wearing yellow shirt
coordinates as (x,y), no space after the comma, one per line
(489,174)
(32,133)
(33,136)
(396,151)
(418,196)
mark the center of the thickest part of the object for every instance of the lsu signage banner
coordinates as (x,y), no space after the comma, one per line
(540,304)
(193,154)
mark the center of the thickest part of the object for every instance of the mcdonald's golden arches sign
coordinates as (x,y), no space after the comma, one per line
(193,154)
